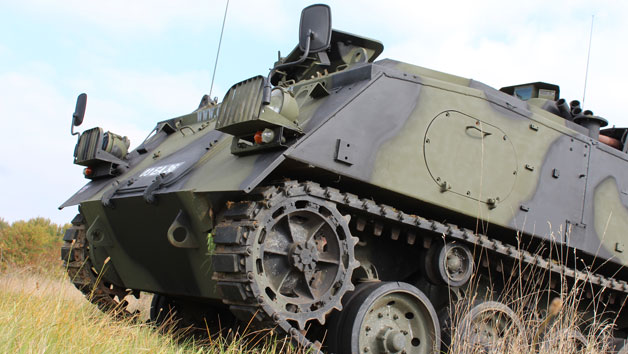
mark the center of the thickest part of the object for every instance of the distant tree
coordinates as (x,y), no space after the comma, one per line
(29,242)
(3,224)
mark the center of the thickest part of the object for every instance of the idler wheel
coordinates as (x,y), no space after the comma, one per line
(385,317)
(487,327)
(450,264)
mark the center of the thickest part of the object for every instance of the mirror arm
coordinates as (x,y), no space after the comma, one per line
(72,129)
(268,86)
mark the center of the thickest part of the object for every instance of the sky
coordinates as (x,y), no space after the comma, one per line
(143,61)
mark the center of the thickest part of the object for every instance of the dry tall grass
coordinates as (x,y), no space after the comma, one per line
(44,313)
(545,318)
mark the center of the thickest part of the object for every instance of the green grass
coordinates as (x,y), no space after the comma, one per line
(44,313)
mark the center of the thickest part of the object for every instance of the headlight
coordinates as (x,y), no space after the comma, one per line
(115,144)
(268,135)
(283,103)
(276,100)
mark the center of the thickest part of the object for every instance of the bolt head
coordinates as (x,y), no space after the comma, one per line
(396,342)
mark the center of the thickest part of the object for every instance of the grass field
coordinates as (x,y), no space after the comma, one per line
(42,312)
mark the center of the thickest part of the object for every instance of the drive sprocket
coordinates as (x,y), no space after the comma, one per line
(287,259)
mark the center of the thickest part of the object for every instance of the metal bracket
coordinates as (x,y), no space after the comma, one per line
(619,247)
(149,193)
(570,227)
(319,91)
(98,233)
(344,152)
(180,233)
(106,197)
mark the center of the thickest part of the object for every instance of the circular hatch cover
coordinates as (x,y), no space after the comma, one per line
(470,157)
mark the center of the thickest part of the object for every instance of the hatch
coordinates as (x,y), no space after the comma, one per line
(470,157)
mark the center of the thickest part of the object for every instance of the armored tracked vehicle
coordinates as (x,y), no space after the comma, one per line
(346,201)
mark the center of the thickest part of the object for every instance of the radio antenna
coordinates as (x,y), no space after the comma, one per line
(586,73)
(224,19)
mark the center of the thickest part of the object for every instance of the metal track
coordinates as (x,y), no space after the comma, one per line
(239,218)
(75,256)
(234,263)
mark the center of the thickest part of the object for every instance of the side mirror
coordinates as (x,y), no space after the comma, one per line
(315,26)
(79,111)
(314,37)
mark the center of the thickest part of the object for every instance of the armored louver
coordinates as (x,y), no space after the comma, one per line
(239,111)
(87,146)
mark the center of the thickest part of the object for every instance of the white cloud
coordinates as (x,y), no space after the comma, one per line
(504,44)
(169,93)
(37,174)
(36,114)
(123,16)
(133,101)
(140,18)
(498,43)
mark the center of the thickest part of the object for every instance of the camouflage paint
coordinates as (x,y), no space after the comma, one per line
(611,218)
(440,139)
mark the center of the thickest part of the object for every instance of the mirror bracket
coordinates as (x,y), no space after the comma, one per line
(268,86)
(323,58)
(314,36)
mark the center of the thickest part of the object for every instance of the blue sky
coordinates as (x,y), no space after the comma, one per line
(144,61)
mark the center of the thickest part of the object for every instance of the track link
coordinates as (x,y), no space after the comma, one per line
(233,247)
(75,256)
(316,268)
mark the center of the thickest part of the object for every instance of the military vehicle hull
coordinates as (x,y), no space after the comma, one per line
(387,167)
